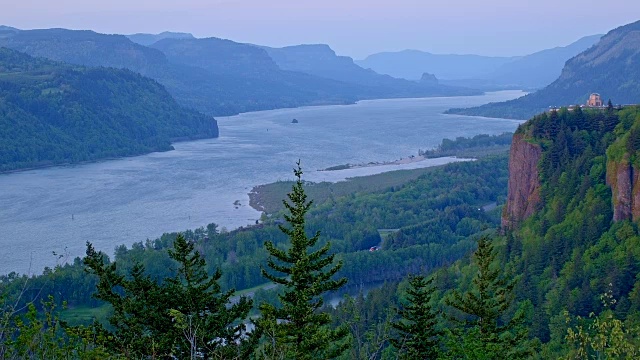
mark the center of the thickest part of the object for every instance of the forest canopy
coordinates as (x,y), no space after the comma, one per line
(53,113)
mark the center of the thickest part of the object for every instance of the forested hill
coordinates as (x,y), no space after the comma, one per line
(611,68)
(572,216)
(52,113)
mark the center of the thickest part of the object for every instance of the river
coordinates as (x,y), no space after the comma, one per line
(127,200)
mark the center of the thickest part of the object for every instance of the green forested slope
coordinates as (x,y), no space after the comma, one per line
(433,216)
(571,251)
(53,113)
(569,259)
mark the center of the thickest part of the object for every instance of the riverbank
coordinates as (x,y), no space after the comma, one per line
(322,185)
(105,159)
(129,200)
(408,160)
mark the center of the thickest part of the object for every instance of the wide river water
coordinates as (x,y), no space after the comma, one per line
(124,201)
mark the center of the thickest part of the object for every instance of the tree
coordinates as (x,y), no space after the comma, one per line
(181,316)
(369,321)
(484,333)
(418,337)
(602,336)
(298,329)
(43,335)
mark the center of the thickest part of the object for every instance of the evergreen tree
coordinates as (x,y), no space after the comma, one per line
(485,333)
(418,337)
(182,316)
(298,330)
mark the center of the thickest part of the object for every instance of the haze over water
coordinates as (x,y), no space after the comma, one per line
(128,200)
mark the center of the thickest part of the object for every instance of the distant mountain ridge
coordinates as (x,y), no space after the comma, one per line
(320,60)
(411,64)
(7,31)
(215,76)
(611,68)
(488,73)
(219,56)
(192,86)
(148,39)
(540,69)
(85,47)
(53,113)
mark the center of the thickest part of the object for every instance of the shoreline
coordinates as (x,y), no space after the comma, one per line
(351,103)
(356,102)
(402,161)
(132,199)
(392,173)
(95,161)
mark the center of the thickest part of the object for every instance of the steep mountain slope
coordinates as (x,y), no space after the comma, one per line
(148,39)
(53,113)
(611,68)
(411,64)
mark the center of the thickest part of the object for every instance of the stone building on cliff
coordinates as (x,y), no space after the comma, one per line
(595,100)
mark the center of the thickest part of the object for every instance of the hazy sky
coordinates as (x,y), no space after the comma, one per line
(352,27)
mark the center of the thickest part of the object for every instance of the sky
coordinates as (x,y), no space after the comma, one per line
(354,28)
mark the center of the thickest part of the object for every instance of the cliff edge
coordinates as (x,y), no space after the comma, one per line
(623,175)
(524,182)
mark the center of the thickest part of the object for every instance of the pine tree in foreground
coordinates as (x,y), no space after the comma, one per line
(484,332)
(297,329)
(417,336)
(185,316)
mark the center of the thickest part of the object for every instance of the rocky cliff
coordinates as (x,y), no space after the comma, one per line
(619,178)
(623,176)
(524,184)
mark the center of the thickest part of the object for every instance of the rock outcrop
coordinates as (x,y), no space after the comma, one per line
(624,180)
(429,79)
(523,195)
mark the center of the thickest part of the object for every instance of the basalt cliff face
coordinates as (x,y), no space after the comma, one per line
(624,179)
(523,195)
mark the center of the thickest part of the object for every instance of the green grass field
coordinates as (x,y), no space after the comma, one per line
(85,315)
